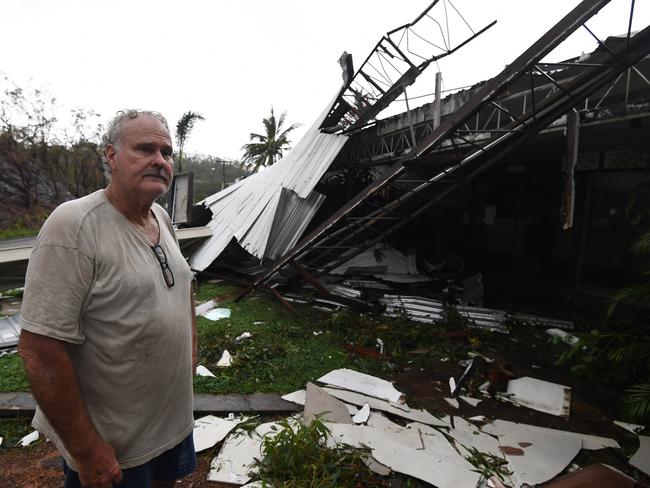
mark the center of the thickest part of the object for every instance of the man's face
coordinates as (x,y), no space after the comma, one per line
(143,162)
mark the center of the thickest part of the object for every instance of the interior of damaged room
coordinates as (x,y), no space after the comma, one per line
(435,283)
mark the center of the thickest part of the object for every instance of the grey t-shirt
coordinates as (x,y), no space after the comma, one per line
(94,281)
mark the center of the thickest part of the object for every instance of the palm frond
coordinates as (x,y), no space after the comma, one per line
(265,149)
(642,244)
(636,403)
(185,125)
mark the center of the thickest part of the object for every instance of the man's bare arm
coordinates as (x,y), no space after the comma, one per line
(56,390)
(195,339)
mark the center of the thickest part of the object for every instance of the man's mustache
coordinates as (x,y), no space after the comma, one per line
(159,174)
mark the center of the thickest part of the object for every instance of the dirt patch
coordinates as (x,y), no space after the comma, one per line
(35,467)
(42,467)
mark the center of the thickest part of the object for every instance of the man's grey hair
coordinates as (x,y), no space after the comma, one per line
(112,134)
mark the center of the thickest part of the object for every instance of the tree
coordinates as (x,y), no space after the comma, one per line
(183,128)
(44,161)
(266,149)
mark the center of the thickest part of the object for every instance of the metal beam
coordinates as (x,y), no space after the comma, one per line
(486,94)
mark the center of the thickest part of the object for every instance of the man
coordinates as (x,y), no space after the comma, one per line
(108,336)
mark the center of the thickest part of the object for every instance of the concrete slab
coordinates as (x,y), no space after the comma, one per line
(23,403)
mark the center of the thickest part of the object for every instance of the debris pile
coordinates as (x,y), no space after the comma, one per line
(369,413)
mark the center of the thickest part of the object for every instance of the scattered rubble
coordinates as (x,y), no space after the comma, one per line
(564,336)
(634,428)
(210,430)
(217,314)
(540,395)
(29,439)
(641,458)
(205,307)
(446,452)
(9,332)
(225,361)
(242,336)
(234,462)
(203,371)
(362,383)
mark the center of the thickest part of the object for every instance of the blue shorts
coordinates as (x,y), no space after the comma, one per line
(179,461)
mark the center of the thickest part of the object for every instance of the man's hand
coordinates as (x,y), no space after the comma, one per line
(50,373)
(99,468)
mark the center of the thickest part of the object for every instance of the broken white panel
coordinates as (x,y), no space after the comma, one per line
(425,466)
(242,336)
(439,447)
(540,395)
(376,467)
(28,439)
(298,397)
(641,458)
(362,415)
(634,428)
(380,256)
(1,440)
(217,314)
(473,355)
(438,463)
(203,371)
(376,404)
(545,453)
(469,435)
(400,278)
(452,385)
(205,307)
(379,421)
(210,430)
(226,359)
(471,401)
(453,402)
(320,404)
(500,428)
(363,435)
(234,462)
(478,418)
(564,336)
(254,484)
(362,383)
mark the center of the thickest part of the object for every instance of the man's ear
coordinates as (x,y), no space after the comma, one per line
(110,153)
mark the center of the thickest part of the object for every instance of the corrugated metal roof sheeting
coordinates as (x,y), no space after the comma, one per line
(380,255)
(251,209)
(9,331)
(291,220)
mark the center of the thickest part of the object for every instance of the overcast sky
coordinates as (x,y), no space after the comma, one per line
(232,61)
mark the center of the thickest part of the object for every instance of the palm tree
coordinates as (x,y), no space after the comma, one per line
(266,149)
(183,129)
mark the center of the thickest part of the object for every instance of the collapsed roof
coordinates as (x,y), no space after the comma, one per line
(267,212)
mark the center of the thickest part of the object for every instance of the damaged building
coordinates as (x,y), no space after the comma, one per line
(532,182)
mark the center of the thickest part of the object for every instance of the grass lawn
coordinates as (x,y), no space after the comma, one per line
(14,232)
(284,352)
